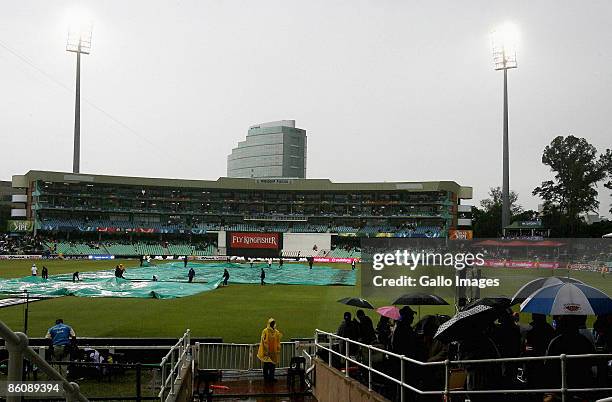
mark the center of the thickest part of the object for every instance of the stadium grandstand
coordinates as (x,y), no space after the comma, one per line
(82,214)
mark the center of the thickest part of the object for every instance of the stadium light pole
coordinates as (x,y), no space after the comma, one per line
(504,41)
(79,42)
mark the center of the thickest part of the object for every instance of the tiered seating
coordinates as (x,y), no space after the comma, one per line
(429,231)
(277,227)
(339,253)
(209,250)
(309,228)
(120,249)
(344,229)
(243,227)
(180,249)
(69,248)
(149,249)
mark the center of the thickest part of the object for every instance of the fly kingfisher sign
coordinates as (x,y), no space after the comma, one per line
(254,240)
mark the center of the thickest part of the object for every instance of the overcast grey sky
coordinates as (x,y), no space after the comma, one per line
(387,90)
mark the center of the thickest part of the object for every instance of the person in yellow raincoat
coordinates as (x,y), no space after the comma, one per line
(269,349)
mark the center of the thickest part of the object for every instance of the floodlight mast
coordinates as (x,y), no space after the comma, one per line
(504,58)
(79,42)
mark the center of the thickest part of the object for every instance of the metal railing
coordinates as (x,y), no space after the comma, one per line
(108,370)
(18,349)
(243,356)
(173,364)
(332,339)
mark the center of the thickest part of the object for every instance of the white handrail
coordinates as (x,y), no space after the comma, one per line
(447,363)
(242,356)
(177,357)
(17,345)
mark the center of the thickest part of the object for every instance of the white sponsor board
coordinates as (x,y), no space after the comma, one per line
(336,259)
(307,244)
(21,257)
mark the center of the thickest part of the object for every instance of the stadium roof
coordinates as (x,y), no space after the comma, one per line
(463,192)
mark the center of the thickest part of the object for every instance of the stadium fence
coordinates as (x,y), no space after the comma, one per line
(243,356)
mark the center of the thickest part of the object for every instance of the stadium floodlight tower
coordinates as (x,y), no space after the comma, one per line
(504,41)
(79,42)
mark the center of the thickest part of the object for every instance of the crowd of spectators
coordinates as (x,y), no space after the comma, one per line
(500,339)
(20,244)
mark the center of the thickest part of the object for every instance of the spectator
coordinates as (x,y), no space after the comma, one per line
(348,329)
(366,328)
(603,332)
(404,340)
(507,337)
(61,337)
(269,349)
(570,341)
(480,376)
(537,338)
(383,331)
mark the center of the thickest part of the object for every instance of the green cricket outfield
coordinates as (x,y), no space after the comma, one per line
(236,313)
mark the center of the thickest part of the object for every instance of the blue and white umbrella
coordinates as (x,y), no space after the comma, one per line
(539,283)
(568,299)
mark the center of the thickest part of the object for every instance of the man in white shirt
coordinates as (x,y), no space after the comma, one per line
(34,270)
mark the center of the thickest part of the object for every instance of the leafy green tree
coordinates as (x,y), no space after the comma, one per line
(487,219)
(577,170)
(495,200)
(529,215)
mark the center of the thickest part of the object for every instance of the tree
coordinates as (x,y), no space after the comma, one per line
(487,220)
(529,215)
(577,171)
(495,200)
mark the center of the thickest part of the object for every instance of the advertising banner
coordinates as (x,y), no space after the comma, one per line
(253,244)
(109,229)
(521,264)
(254,240)
(140,230)
(460,234)
(20,226)
(20,257)
(101,257)
(336,259)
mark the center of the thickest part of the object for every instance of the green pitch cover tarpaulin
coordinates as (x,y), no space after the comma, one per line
(172,280)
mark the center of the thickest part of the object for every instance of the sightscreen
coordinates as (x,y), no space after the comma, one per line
(254,244)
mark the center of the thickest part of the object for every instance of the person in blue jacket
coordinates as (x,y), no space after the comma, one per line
(61,337)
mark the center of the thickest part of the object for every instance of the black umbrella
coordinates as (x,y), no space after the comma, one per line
(533,286)
(356,302)
(499,302)
(430,322)
(466,323)
(420,299)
